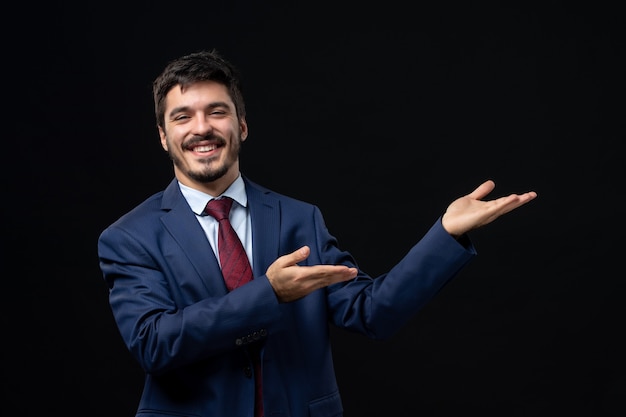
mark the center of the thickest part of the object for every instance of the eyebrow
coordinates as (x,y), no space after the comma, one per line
(213,105)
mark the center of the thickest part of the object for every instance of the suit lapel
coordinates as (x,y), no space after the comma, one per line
(184,228)
(265,217)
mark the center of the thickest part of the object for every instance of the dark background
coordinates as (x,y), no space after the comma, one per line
(346,104)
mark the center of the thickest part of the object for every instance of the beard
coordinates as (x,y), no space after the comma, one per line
(207,174)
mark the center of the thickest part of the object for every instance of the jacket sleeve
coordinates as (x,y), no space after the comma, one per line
(163,328)
(379,306)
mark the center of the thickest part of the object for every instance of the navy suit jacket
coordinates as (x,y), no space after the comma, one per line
(190,334)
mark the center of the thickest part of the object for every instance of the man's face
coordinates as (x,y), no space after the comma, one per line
(202,135)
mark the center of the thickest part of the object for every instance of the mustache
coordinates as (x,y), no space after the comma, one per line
(198,138)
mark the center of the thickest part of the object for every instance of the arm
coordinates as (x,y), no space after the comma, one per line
(166,315)
(466,213)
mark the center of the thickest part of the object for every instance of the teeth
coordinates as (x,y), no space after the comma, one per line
(204,148)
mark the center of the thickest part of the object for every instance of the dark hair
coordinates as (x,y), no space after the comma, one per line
(194,67)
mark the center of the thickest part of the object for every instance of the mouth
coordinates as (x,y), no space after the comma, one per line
(203,148)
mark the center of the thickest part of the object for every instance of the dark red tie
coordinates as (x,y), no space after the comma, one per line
(233,259)
(236,271)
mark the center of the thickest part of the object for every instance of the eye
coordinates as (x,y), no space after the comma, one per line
(218,112)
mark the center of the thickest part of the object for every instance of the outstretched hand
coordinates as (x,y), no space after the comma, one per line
(471,212)
(292,281)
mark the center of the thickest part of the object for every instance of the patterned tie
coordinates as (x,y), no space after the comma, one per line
(233,259)
(236,271)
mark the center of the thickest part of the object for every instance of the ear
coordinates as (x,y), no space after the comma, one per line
(163,138)
(243,129)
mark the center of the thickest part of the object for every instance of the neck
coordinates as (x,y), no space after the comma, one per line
(212,188)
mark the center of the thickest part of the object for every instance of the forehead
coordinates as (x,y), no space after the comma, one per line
(198,93)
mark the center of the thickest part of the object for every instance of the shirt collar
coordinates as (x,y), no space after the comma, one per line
(197,199)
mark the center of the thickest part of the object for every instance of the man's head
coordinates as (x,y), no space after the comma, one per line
(189,69)
(200,115)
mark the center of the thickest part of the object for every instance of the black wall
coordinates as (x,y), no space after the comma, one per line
(345,105)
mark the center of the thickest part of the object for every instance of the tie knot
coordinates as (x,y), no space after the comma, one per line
(219,208)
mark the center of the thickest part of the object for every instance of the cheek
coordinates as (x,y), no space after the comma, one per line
(237,141)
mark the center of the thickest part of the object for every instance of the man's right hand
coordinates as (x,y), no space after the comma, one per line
(292,281)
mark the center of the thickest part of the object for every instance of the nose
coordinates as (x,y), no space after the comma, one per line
(202,125)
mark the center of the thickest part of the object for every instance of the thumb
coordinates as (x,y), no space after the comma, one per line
(294,257)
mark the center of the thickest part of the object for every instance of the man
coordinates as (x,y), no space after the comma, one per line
(207,349)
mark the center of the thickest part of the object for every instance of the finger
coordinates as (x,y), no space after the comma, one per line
(513,201)
(334,273)
(318,276)
(482,190)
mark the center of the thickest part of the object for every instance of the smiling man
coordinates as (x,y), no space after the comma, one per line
(261,348)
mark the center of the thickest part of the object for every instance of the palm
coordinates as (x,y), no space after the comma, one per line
(470,211)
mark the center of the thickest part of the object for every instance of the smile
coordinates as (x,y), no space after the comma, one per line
(206,148)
